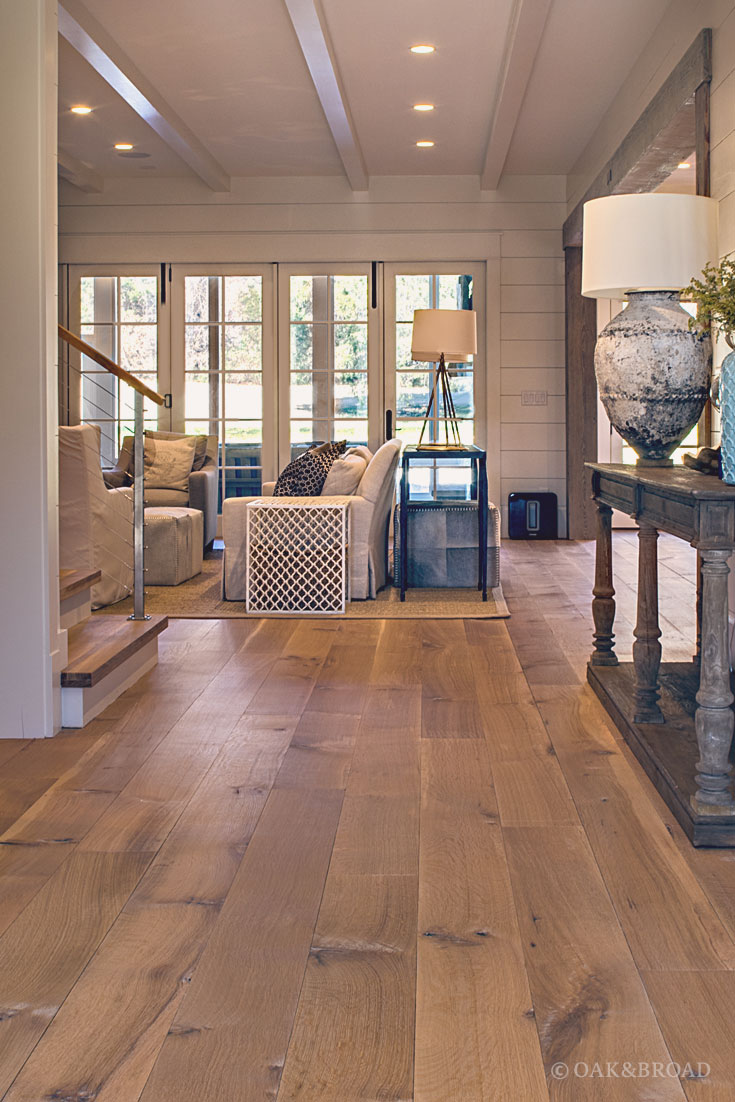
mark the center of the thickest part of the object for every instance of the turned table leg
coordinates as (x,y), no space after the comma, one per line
(603,605)
(647,649)
(714,716)
(698,652)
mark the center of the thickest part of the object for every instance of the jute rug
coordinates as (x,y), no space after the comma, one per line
(201,599)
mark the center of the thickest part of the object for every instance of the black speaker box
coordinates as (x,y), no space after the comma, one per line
(532,516)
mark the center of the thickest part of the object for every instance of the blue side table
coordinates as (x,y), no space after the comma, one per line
(478,459)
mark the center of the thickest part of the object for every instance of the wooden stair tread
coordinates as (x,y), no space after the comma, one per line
(103,643)
(74,581)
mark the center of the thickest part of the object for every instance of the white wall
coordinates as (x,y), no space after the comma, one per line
(515,230)
(32,647)
(722,137)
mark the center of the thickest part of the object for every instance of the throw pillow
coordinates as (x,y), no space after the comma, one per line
(344,476)
(168,463)
(360,449)
(201,444)
(305,476)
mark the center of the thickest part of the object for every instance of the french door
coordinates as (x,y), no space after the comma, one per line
(223,372)
(271,358)
(329,368)
(122,312)
(407,385)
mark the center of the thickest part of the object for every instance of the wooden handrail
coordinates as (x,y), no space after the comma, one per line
(110,365)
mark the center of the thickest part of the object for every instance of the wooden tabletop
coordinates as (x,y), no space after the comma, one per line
(673,479)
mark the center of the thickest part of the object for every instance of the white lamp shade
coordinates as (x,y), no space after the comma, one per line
(453,332)
(646,242)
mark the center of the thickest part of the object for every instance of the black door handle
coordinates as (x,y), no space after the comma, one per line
(389,424)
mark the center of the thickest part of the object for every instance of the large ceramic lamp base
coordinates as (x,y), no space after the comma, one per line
(653,374)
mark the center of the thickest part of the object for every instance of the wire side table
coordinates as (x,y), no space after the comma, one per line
(296,557)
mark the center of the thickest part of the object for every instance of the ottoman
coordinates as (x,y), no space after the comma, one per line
(442,545)
(173,544)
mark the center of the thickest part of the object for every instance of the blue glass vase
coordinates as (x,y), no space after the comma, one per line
(727,417)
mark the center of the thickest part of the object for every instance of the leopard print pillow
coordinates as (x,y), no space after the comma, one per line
(306,475)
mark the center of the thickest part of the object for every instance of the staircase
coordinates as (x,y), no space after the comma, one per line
(107,653)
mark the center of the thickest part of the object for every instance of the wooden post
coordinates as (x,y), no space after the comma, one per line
(603,605)
(581,390)
(714,717)
(647,649)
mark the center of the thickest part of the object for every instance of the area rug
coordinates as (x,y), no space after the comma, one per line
(201,599)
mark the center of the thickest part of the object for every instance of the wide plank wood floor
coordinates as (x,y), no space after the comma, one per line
(366,862)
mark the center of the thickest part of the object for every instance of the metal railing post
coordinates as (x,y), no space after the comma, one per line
(138,516)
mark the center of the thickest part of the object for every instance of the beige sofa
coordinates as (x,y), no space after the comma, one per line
(95,523)
(202,492)
(370,512)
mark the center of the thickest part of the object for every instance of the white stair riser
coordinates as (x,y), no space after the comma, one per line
(79,706)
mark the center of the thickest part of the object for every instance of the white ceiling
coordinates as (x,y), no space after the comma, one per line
(588,49)
(235,73)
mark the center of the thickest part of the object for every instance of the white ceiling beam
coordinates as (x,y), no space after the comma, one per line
(524,38)
(311,30)
(82,31)
(78,173)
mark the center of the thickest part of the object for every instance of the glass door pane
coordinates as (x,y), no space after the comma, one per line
(223,373)
(119,314)
(409,384)
(326,371)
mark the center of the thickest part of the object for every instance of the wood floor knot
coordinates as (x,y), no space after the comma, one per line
(562,1032)
(74,1094)
(186,1030)
(322,954)
(447,938)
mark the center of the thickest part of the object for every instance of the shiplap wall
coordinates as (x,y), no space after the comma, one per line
(722,164)
(722,130)
(515,230)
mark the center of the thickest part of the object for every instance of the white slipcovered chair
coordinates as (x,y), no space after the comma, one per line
(95,524)
(370,511)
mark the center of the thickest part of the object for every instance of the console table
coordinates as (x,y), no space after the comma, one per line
(677,717)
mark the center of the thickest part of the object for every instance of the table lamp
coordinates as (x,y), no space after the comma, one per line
(440,336)
(652,370)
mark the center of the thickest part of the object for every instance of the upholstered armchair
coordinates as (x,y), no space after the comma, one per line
(202,488)
(369,511)
(95,523)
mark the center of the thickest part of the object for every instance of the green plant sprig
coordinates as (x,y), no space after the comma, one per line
(714,295)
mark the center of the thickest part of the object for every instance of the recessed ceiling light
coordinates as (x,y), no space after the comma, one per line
(423,48)
(424,145)
(80,109)
(684,164)
(423,106)
(123,145)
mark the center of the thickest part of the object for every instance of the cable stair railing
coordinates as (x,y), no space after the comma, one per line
(141,391)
